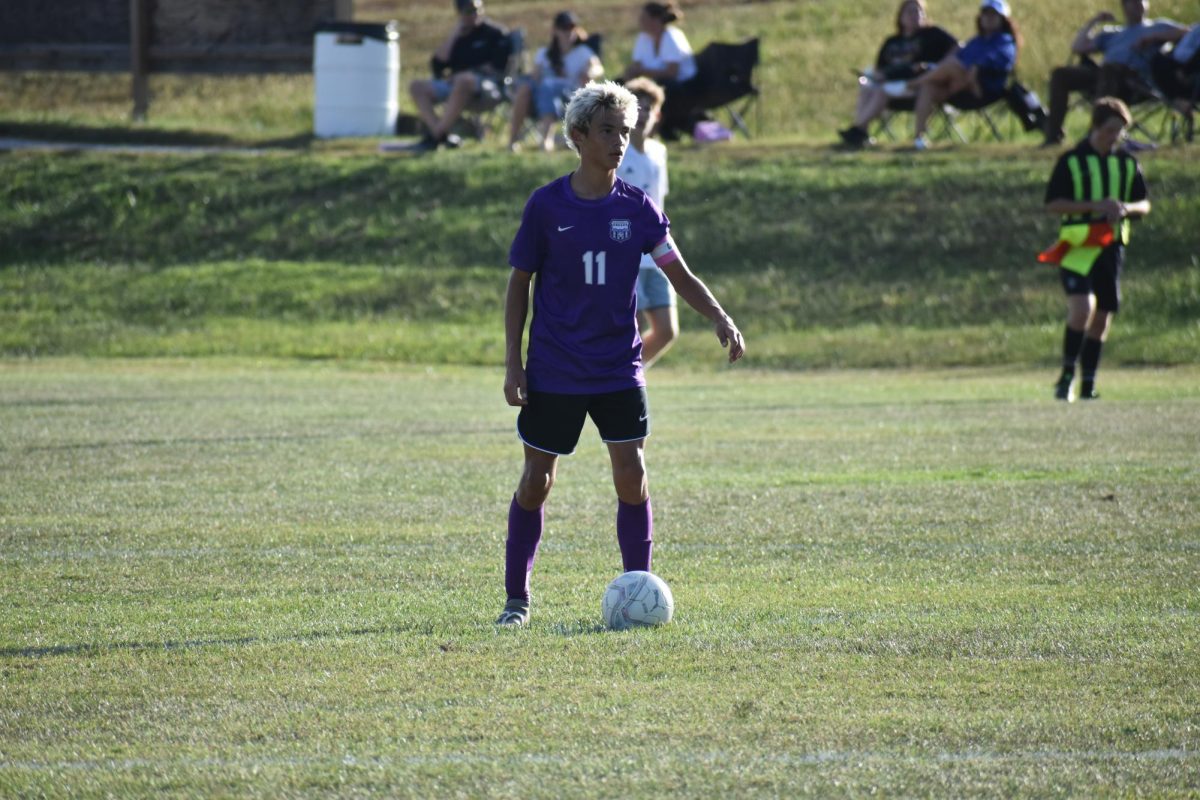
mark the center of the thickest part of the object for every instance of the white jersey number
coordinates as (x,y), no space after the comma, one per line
(593,267)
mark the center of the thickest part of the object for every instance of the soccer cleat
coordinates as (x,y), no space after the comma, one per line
(515,613)
(1089,393)
(1062,390)
(451,140)
(921,143)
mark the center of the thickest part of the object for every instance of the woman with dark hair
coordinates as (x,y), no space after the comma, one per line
(917,45)
(560,68)
(661,51)
(977,74)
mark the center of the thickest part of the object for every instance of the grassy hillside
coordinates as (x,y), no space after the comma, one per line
(808,50)
(847,259)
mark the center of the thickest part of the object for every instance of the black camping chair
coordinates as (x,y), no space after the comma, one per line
(724,76)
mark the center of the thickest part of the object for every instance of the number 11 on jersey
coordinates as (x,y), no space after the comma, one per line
(594,262)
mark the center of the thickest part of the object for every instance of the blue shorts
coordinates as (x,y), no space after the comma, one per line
(443,86)
(550,95)
(654,290)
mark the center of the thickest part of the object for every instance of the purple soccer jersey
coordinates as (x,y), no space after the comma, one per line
(585,253)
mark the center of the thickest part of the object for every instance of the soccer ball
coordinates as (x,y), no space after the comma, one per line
(637,599)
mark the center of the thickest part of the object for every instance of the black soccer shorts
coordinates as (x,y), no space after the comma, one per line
(1104,280)
(552,422)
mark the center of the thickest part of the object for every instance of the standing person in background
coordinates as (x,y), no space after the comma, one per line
(915,48)
(645,166)
(583,236)
(1097,188)
(475,50)
(976,75)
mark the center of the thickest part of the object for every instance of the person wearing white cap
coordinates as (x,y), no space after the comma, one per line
(974,76)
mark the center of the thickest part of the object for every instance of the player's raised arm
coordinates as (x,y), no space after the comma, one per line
(695,292)
(516,309)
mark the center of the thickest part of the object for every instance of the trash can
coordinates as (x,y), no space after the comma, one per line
(356,75)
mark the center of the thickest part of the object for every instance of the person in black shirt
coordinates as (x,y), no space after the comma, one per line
(1097,188)
(915,47)
(476,50)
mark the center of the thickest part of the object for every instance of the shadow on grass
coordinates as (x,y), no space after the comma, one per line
(578,628)
(136,135)
(94,649)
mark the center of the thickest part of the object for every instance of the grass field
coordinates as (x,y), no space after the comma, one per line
(255,462)
(278,578)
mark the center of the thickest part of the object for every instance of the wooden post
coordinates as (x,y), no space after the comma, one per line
(139,46)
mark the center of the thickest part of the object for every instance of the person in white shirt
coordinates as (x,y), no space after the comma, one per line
(661,51)
(645,166)
(566,64)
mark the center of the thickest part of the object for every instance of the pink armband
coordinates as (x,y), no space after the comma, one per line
(664,252)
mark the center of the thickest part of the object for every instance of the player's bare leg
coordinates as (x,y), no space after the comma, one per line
(659,328)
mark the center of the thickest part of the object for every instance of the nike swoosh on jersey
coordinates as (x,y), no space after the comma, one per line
(561,229)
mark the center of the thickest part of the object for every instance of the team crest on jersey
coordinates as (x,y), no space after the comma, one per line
(620,230)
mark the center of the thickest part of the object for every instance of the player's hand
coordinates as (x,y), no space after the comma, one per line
(731,337)
(1113,210)
(516,391)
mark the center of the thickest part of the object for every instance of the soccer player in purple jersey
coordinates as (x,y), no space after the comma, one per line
(583,235)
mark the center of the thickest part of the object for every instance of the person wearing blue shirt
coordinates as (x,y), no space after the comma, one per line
(1126,70)
(974,76)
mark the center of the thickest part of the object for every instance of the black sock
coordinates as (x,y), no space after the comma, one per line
(1072,344)
(1089,360)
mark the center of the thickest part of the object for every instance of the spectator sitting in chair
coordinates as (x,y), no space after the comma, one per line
(558,70)
(476,50)
(916,47)
(1125,72)
(661,51)
(1177,73)
(976,75)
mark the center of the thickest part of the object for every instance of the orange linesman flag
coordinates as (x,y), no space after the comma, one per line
(1099,235)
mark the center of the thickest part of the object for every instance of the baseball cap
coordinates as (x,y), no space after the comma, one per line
(999,6)
(566,20)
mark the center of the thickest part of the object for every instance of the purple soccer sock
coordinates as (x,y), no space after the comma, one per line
(635,534)
(524,534)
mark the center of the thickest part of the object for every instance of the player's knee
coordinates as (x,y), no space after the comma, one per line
(630,481)
(534,488)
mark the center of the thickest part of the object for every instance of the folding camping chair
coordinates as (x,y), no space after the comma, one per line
(724,79)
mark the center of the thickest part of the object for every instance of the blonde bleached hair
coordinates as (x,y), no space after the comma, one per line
(590,100)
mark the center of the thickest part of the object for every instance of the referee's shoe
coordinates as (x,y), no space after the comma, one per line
(1062,389)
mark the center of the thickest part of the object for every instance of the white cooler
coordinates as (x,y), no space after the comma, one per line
(356,74)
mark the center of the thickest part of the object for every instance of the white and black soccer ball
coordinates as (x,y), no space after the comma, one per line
(637,599)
